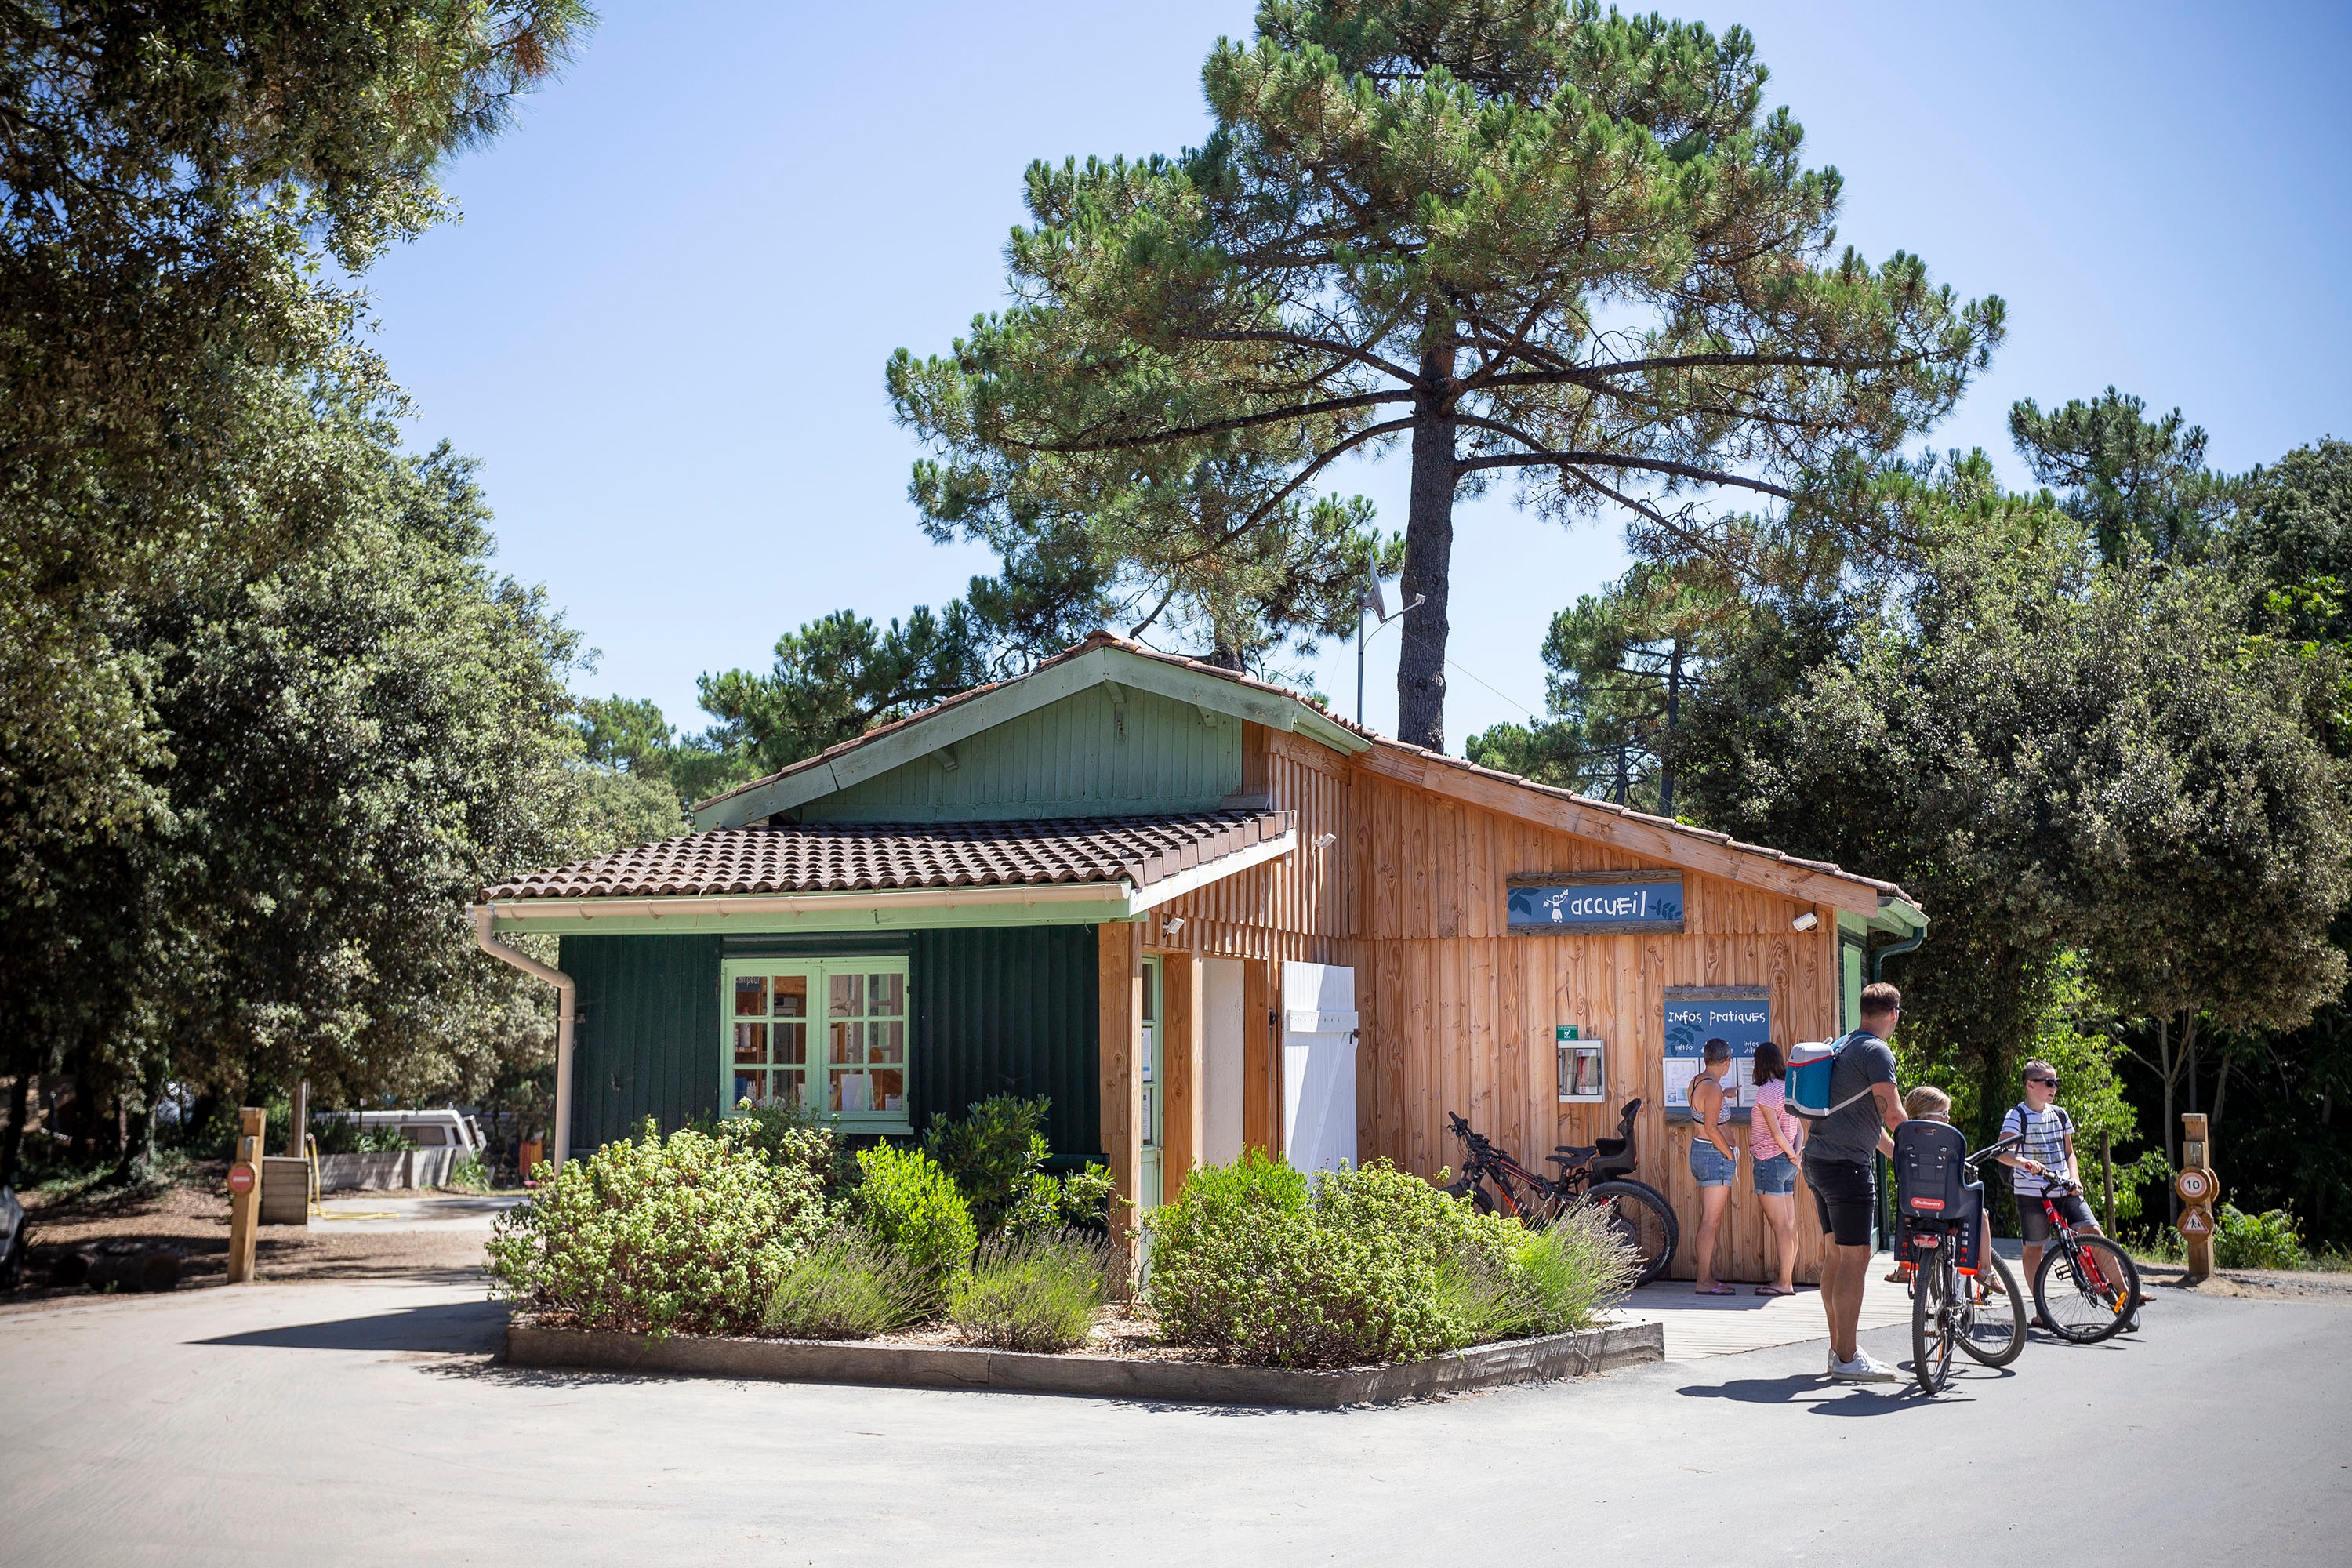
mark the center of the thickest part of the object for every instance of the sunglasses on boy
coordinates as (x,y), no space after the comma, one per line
(2051,1081)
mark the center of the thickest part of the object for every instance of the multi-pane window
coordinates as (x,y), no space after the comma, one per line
(828,1034)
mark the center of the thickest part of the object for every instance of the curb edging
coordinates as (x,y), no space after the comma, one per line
(1537,1359)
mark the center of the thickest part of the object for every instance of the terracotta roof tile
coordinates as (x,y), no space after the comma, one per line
(850,856)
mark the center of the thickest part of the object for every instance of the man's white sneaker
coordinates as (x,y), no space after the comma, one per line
(1860,1369)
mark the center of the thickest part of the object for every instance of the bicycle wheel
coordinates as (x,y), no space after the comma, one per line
(1644,1220)
(2088,1294)
(1996,1333)
(1475,1191)
(1935,1305)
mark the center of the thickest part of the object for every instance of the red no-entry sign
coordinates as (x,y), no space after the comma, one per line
(240,1179)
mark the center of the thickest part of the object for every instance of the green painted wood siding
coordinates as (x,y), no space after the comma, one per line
(996,1011)
(1008,1011)
(648,1039)
(1083,756)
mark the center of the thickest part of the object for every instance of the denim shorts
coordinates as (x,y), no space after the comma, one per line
(1710,1165)
(1776,1175)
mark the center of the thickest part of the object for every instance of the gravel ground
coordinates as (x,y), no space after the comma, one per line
(190,1218)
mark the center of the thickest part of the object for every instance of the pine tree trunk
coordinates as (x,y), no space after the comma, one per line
(1428,557)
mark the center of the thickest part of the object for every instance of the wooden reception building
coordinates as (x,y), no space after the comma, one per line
(1198,912)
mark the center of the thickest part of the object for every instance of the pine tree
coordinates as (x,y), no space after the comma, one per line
(1515,237)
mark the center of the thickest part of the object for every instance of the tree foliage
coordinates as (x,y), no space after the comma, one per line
(199,500)
(2056,753)
(1532,238)
(2140,484)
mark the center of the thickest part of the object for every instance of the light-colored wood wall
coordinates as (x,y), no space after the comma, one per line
(1457,1014)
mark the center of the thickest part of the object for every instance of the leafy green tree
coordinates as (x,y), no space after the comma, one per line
(174,178)
(1516,238)
(2140,484)
(2056,755)
(354,743)
(184,396)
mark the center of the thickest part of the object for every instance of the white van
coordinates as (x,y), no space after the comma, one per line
(451,1128)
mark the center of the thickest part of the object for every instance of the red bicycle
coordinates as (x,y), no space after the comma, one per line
(2087,1287)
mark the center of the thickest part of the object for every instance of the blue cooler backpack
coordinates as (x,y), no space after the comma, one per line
(1807,1084)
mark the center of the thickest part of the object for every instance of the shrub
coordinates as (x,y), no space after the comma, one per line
(470,1175)
(1373,1265)
(683,1235)
(1572,1270)
(2242,1240)
(1248,1263)
(911,1205)
(788,1134)
(1033,1292)
(997,1156)
(993,1154)
(849,1287)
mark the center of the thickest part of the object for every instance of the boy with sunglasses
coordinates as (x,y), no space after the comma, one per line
(2048,1150)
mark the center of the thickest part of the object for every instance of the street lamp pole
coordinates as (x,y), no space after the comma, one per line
(1371,601)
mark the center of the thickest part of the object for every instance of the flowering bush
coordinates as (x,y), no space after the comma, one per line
(683,1235)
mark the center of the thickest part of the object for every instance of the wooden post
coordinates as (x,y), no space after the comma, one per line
(1180,1114)
(1119,952)
(245,1193)
(298,1117)
(2197,1187)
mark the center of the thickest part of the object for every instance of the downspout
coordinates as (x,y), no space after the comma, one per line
(1880,1166)
(1878,959)
(566,997)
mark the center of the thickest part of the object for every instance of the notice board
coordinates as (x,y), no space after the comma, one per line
(1741,1016)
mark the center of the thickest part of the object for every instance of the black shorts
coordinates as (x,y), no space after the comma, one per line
(1846,1197)
(2034,1220)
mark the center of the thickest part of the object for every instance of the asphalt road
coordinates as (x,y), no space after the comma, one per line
(363,1422)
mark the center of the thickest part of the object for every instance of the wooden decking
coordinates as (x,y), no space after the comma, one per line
(1702,1326)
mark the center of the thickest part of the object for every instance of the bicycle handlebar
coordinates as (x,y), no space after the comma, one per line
(1991,1149)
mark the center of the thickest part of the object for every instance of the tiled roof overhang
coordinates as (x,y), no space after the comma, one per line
(850,858)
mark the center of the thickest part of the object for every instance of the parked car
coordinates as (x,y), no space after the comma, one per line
(11,1240)
(450,1128)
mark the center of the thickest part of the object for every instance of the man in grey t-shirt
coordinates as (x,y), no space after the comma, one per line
(1866,1110)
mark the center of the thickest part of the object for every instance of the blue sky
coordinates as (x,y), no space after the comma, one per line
(663,323)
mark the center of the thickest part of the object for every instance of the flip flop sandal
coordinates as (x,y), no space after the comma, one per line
(1718,1290)
(1772,1290)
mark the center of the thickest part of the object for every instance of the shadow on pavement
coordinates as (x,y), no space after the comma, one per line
(456,1327)
(1824,1398)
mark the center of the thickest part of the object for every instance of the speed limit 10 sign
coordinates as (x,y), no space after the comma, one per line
(2195,1186)
(240,1179)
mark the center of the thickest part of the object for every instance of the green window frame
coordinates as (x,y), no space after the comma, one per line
(827,1033)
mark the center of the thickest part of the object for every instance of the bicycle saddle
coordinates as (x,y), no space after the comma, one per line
(1569,1154)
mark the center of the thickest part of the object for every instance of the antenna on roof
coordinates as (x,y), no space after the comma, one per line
(1371,601)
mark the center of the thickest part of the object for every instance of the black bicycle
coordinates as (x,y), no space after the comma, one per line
(1600,1175)
(2086,1288)
(1958,1300)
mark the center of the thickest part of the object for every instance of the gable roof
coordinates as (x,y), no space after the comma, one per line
(1104,657)
(841,857)
(1100,659)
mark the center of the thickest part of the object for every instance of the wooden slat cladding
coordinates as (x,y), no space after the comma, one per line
(1458,1014)
(1295,907)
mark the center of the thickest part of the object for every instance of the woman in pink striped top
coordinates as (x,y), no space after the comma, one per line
(1775,1140)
